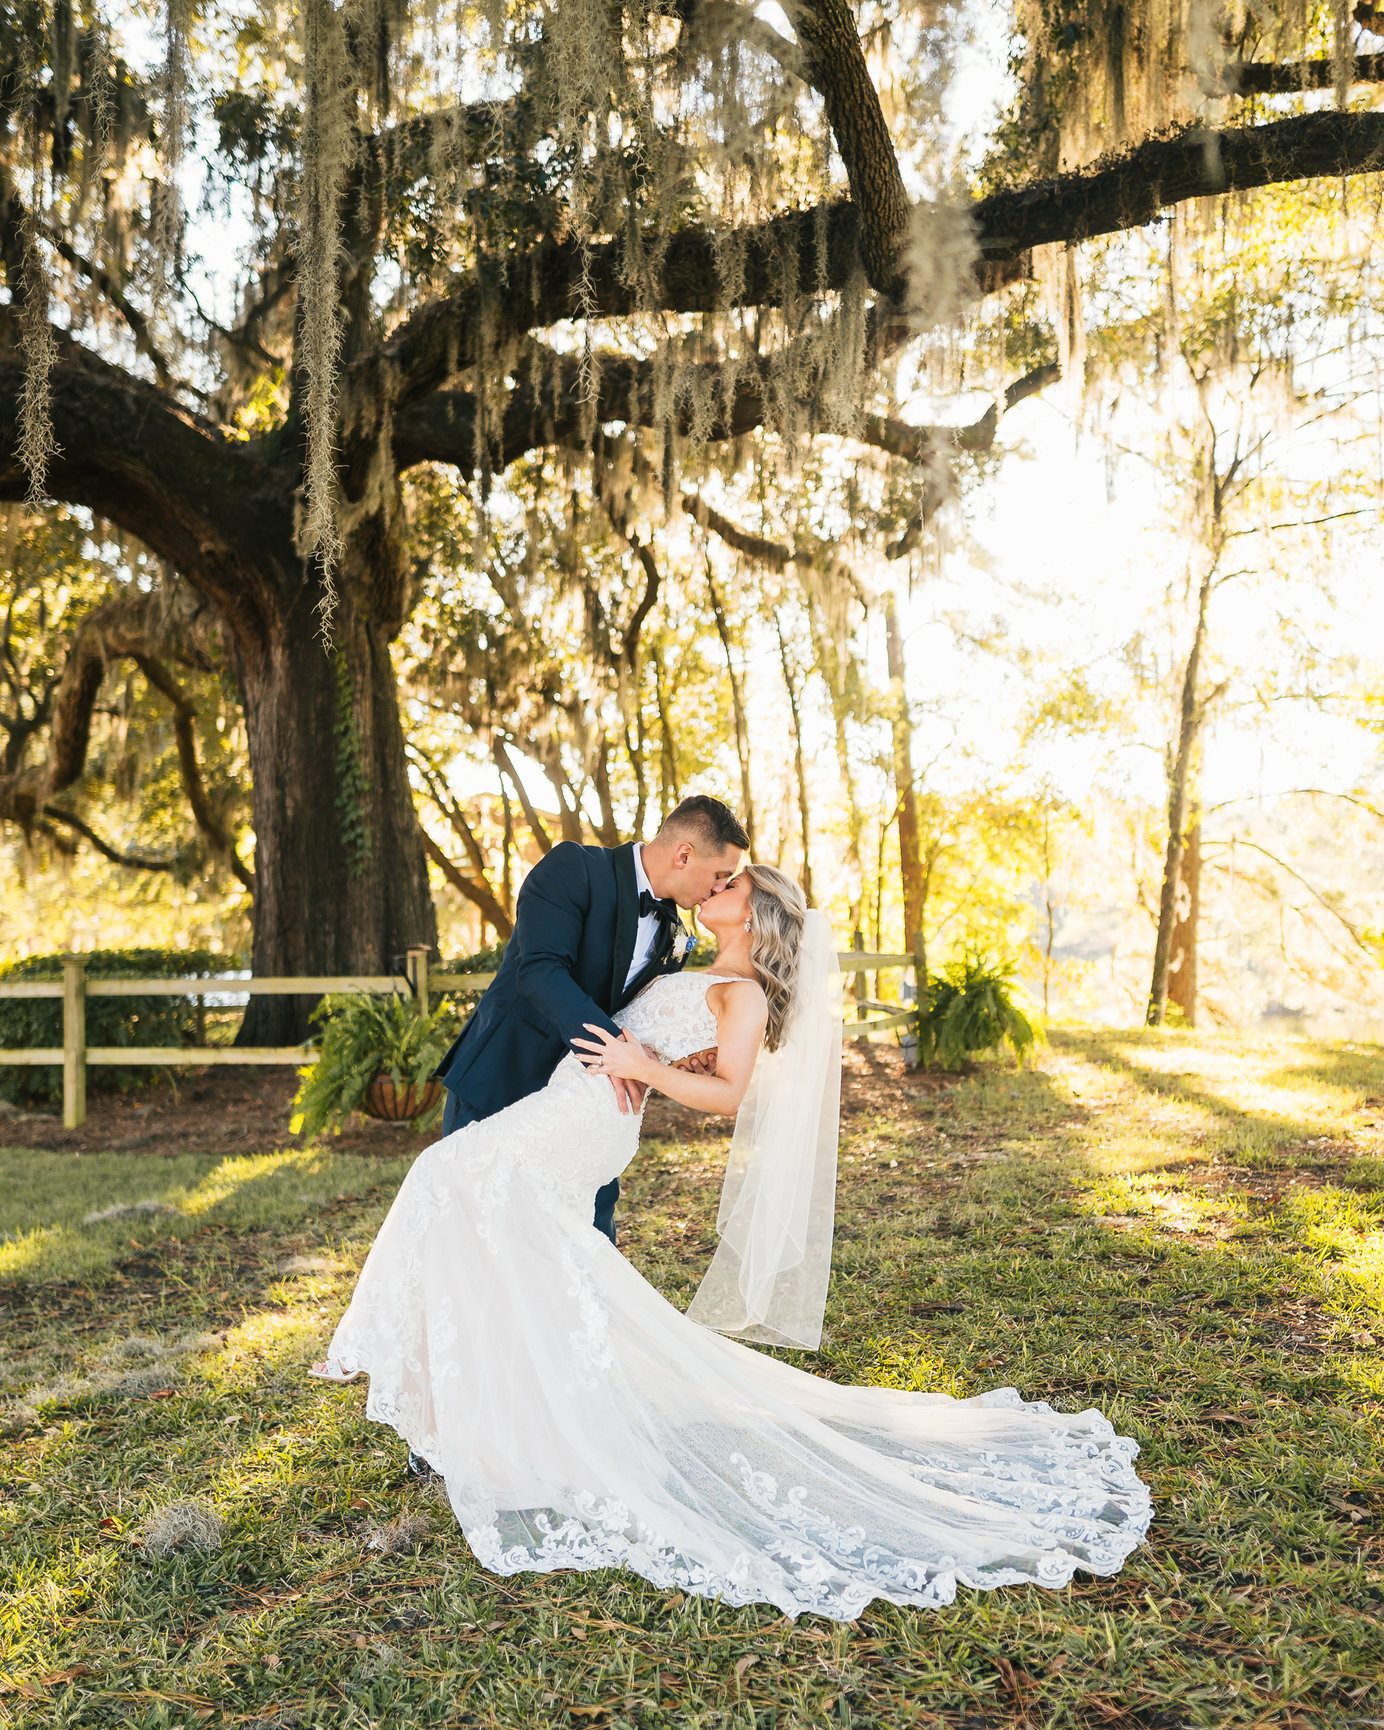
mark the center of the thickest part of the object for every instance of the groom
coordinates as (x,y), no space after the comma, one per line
(593,925)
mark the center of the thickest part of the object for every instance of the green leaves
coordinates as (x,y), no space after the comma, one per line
(971,1008)
(365,1036)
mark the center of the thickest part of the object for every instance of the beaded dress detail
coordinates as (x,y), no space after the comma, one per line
(581,1421)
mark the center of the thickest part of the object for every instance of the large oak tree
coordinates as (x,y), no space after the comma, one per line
(464,235)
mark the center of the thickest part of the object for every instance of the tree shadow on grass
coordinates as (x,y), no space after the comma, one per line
(1253,1132)
(53,1203)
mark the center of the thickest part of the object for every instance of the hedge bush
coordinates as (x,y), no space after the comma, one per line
(37,1021)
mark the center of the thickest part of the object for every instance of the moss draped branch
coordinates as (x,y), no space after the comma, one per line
(827,30)
(211,507)
(1287,77)
(542,286)
(190,770)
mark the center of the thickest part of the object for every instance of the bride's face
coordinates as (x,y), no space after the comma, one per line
(722,913)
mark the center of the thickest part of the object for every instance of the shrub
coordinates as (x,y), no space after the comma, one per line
(483,961)
(365,1035)
(37,1021)
(970,1008)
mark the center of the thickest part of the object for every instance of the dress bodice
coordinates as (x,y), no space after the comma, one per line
(671,1014)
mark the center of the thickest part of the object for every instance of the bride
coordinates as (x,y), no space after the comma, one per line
(581,1421)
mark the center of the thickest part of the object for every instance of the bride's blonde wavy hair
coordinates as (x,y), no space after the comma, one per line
(778,908)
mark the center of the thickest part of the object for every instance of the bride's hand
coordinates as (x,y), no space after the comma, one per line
(624,1057)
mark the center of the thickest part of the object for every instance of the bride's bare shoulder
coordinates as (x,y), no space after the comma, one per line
(747,995)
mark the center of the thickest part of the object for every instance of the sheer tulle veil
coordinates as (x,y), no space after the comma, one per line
(768,1279)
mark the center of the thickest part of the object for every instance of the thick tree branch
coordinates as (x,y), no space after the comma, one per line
(915,442)
(478,894)
(135,861)
(531,817)
(827,30)
(978,437)
(718,403)
(773,555)
(897,438)
(1286,78)
(132,454)
(1129,191)
(540,287)
(442,428)
(132,624)
(184,719)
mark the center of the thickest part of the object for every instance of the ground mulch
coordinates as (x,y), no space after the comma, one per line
(225,1109)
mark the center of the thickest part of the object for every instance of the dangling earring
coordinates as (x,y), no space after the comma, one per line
(749,925)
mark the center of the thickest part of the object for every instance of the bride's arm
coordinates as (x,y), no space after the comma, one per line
(740,1032)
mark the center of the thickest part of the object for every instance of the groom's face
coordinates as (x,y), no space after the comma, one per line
(699,873)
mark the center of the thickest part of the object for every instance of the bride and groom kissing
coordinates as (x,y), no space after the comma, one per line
(593,927)
(575,1418)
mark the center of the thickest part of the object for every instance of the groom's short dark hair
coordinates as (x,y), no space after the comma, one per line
(715,825)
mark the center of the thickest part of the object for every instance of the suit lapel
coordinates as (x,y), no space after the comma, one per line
(626,920)
(660,961)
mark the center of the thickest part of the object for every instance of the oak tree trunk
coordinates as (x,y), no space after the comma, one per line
(341,873)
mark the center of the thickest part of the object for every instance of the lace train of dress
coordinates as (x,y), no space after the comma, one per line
(581,1421)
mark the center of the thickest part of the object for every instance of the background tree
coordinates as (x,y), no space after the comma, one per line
(1244,333)
(116,706)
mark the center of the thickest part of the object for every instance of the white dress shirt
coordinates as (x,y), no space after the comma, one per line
(647,934)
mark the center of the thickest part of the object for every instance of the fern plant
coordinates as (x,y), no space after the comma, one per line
(970,1008)
(366,1035)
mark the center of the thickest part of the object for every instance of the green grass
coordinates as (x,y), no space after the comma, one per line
(1185,1230)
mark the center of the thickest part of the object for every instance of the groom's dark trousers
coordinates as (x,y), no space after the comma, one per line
(575,926)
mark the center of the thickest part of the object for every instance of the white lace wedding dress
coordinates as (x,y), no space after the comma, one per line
(580,1421)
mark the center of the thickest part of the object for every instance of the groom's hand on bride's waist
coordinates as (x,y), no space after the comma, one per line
(629,1095)
(698,1062)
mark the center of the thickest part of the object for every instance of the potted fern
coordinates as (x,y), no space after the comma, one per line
(377,1055)
(969,1008)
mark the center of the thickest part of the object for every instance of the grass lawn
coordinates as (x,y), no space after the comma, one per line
(1186,1230)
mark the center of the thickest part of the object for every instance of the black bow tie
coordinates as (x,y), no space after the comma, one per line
(649,903)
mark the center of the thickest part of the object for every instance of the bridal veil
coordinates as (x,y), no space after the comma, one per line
(768,1279)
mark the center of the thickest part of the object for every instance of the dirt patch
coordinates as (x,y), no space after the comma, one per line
(223,1109)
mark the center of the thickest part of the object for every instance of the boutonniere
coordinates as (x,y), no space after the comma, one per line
(683,944)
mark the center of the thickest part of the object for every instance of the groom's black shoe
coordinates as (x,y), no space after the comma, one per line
(419,1467)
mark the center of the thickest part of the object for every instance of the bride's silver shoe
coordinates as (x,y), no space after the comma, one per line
(419,1468)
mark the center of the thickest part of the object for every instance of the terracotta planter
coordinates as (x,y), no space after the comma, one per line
(399,1104)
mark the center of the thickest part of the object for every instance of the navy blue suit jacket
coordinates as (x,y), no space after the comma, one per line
(575,926)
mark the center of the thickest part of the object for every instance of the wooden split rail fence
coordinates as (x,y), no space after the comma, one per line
(75,1055)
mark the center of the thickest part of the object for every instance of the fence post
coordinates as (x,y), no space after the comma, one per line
(919,980)
(73,1041)
(861,992)
(418,975)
